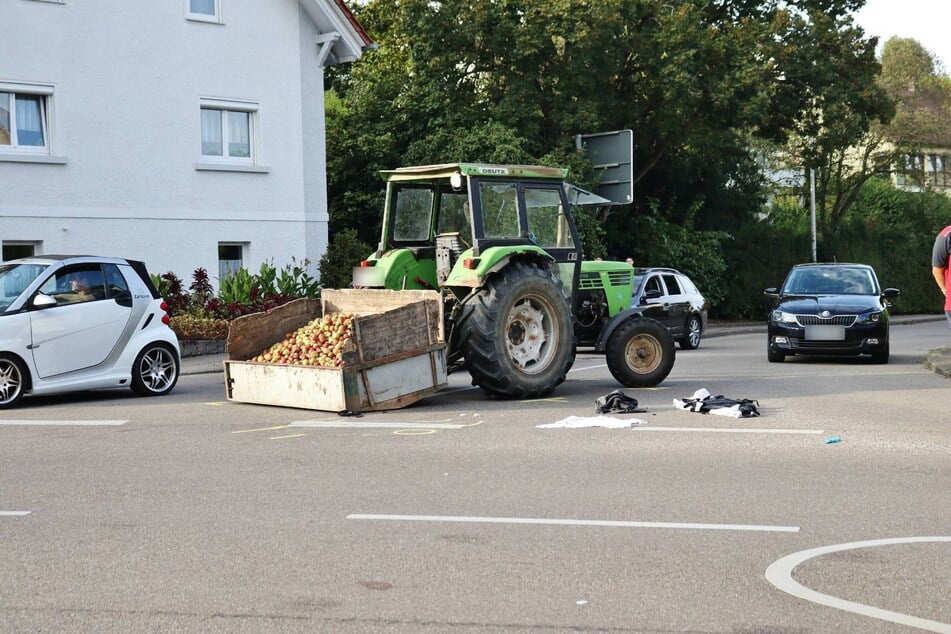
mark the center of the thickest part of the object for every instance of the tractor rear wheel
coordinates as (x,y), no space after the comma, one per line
(516,334)
(640,353)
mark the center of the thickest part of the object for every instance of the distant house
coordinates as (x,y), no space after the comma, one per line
(185,133)
(930,168)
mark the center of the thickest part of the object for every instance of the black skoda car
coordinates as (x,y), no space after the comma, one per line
(829,309)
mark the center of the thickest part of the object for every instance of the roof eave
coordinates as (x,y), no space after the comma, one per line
(333,16)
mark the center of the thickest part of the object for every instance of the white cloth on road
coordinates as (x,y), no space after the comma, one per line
(575,422)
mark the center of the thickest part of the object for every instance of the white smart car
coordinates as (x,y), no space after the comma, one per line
(71,323)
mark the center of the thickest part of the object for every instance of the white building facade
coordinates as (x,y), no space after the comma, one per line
(184,133)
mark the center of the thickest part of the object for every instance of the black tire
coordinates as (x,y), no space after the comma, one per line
(495,333)
(773,356)
(640,353)
(692,333)
(13,381)
(155,370)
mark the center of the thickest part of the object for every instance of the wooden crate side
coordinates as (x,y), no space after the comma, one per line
(401,329)
(250,335)
(289,386)
(403,382)
(361,301)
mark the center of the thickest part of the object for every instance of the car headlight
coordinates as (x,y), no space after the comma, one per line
(783,317)
(871,318)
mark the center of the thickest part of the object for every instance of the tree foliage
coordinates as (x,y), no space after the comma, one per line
(516,81)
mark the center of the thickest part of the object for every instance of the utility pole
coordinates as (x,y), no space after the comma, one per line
(812,208)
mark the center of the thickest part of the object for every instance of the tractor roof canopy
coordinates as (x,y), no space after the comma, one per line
(446,170)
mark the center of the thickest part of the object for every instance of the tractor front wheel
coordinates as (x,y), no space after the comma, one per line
(640,353)
(516,335)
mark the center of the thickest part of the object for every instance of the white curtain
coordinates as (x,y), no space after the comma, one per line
(211,132)
(29,120)
(239,135)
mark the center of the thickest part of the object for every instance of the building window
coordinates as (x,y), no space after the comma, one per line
(938,170)
(15,250)
(227,132)
(24,120)
(203,10)
(230,258)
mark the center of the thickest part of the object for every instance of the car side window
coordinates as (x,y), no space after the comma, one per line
(653,284)
(115,283)
(76,284)
(673,288)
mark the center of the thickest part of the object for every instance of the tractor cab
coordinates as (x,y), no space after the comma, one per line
(448,226)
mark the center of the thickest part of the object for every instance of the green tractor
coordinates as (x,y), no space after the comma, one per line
(499,243)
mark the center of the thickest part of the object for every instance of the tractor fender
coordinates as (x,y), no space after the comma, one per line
(493,260)
(608,330)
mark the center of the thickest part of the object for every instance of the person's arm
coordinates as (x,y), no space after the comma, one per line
(939,261)
(938,273)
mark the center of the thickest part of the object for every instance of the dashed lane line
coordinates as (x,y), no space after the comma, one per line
(13,513)
(52,423)
(375,424)
(248,431)
(730,430)
(568,522)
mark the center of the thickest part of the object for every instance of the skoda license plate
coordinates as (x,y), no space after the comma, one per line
(825,333)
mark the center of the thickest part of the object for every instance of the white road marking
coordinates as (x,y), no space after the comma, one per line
(564,522)
(14,513)
(780,575)
(375,424)
(110,423)
(588,367)
(731,430)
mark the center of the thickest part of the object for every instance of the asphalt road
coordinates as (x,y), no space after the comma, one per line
(190,513)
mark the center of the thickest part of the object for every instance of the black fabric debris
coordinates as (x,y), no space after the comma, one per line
(350,412)
(617,402)
(747,407)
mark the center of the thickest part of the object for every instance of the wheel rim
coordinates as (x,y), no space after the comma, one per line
(693,333)
(643,353)
(157,369)
(530,338)
(11,381)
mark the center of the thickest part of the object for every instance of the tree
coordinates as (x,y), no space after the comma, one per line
(516,80)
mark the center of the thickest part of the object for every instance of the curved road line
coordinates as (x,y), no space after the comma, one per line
(779,574)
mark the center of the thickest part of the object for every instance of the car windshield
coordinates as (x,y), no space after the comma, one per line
(831,280)
(15,278)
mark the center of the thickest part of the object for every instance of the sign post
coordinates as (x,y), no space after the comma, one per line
(612,154)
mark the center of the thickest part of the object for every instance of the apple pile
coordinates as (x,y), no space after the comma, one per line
(319,343)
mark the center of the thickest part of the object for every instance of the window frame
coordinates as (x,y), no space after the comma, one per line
(243,247)
(214,18)
(34,246)
(225,162)
(16,90)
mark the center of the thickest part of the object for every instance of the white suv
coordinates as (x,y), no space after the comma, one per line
(72,323)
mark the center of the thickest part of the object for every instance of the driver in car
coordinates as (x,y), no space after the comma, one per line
(79,290)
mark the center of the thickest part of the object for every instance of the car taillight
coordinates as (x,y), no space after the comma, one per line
(164,306)
(165,319)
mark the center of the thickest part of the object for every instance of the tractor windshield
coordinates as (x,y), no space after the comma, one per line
(412,213)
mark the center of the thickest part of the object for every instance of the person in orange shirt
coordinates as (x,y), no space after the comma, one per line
(940,256)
